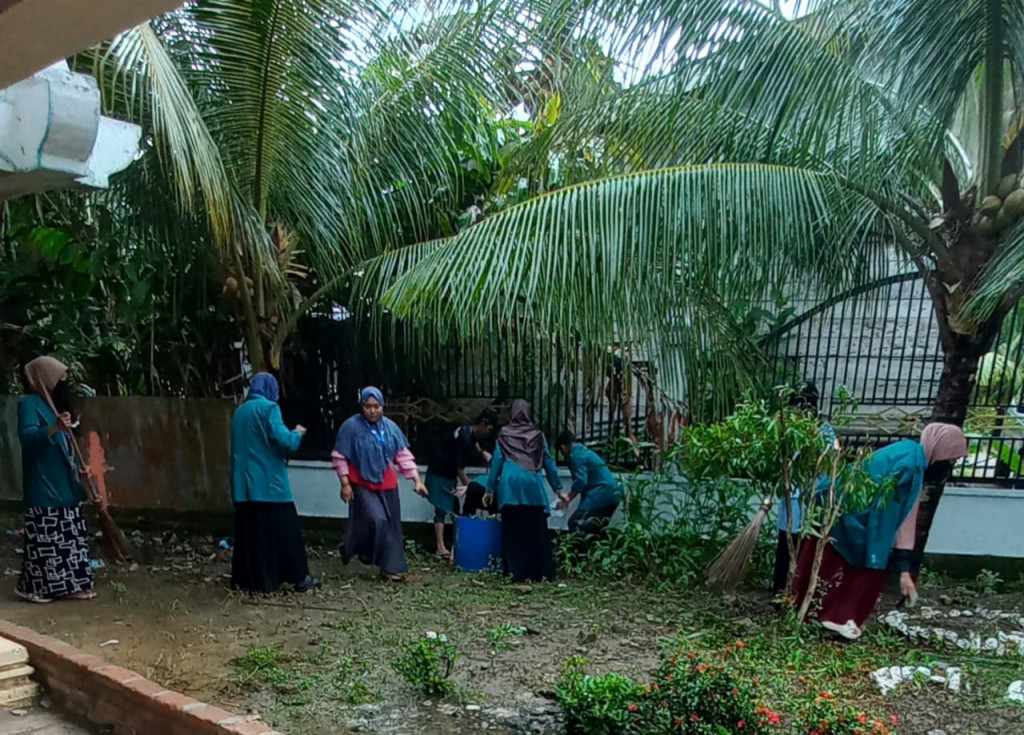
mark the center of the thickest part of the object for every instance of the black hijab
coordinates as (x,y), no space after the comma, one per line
(521,441)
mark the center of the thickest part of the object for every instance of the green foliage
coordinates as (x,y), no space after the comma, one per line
(826,716)
(764,442)
(988,582)
(673,527)
(502,637)
(426,663)
(324,675)
(690,694)
(595,705)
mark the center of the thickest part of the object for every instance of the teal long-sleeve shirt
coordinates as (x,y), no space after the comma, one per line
(260,444)
(514,485)
(49,469)
(592,480)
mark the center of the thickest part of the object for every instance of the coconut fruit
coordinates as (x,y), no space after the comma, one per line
(230,286)
(1006,185)
(990,205)
(1002,220)
(1014,204)
(987,227)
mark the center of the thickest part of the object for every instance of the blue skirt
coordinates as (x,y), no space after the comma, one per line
(374,532)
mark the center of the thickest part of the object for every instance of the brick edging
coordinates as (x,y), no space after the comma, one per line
(111,696)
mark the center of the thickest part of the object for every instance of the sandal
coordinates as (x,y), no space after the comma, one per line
(32,598)
(83,595)
(444,555)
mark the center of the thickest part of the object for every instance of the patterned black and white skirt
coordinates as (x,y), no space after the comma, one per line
(56,561)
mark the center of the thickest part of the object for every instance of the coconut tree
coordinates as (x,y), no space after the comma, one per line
(757,149)
(308,135)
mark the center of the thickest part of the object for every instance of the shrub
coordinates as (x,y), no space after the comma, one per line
(427,663)
(594,705)
(702,695)
(825,716)
(690,695)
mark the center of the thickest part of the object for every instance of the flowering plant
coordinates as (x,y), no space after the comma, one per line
(825,716)
(690,694)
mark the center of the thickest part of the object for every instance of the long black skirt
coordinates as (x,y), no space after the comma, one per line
(528,554)
(56,560)
(374,531)
(269,550)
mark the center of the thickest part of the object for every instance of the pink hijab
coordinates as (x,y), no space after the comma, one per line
(941,443)
(43,374)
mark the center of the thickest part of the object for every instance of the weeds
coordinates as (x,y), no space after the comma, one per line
(323,676)
(502,637)
(426,663)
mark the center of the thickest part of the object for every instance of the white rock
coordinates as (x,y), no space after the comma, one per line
(1015,693)
(472,707)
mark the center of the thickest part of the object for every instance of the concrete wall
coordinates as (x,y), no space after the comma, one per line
(146,453)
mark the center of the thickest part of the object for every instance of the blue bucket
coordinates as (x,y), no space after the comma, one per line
(477,544)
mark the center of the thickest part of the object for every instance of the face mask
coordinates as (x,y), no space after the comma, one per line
(62,398)
(938,471)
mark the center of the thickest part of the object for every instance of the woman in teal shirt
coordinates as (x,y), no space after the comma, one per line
(269,549)
(516,485)
(55,564)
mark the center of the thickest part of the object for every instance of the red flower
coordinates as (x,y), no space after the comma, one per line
(735,692)
(894,719)
(862,718)
(632,707)
(702,669)
(695,718)
(691,655)
(826,695)
(773,717)
(678,721)
(741,724)
(740,644)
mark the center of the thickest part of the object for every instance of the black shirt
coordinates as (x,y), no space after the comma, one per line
(457,451)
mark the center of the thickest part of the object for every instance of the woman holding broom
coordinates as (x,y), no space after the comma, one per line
(56,559)
(853,567)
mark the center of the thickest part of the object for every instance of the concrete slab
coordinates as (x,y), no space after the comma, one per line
(37,722)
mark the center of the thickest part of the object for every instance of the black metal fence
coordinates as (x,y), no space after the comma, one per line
(882,347)
(332,360)
(880,344)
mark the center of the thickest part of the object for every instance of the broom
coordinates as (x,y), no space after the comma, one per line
(115,546)
(729,568)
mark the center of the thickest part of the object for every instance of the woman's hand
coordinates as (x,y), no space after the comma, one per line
(301,429)
(907,587)
(421,489)
(63,423)
(346,491)
(487,500)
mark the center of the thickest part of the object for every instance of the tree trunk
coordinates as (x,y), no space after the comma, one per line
(961,355)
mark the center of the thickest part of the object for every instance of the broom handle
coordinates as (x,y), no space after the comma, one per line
(94,495)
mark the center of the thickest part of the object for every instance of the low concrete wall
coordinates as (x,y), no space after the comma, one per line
(970,521)
(146,453)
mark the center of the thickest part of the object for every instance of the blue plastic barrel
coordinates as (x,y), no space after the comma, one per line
(477,544)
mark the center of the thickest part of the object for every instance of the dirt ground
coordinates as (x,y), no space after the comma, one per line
(320,663)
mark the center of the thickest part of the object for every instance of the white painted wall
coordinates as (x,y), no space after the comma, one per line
(970,521)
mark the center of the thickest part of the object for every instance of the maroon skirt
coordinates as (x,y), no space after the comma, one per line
(844,592)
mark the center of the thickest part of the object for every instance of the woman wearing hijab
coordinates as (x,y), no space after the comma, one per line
(517,487)
(368,448)
(56,558)
(853,566)
(269,550)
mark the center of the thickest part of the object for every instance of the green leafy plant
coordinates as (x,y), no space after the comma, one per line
(988,582)
(502,636)
(826,716)
(690,694)
(427,663)
(595,705)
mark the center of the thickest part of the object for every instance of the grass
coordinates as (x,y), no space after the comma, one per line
(324,676)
